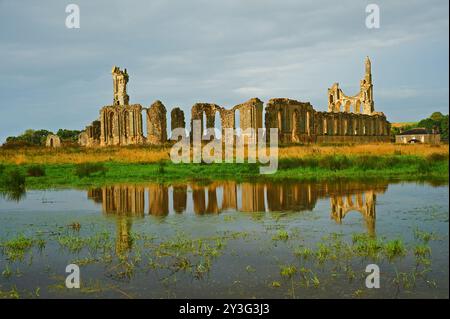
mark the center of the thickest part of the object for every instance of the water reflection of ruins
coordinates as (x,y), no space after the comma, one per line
(217,197)
(125,201)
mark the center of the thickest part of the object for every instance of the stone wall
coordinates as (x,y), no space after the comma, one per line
(177,118)
(421,138)
(250,115)
(53,141)
(294,120)
(297,122)
(121,125)
(91,135)
(156,123)
(207,109)
(338,101)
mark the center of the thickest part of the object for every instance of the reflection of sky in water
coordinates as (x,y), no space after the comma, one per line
(306,209)
(349,204)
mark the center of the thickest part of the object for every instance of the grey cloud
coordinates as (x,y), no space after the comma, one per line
(183,52)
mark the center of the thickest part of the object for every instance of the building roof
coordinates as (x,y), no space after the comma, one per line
(416,131)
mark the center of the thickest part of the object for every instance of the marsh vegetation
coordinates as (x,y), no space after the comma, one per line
(207,247)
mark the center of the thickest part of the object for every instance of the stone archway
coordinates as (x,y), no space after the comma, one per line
(53,141)
(358,107)
(337,106)
(279,120)
(347,106)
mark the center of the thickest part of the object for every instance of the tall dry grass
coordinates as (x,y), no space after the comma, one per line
(83,155)
(363,149)
(146,154)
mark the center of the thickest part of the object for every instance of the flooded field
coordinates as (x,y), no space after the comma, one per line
(227,240)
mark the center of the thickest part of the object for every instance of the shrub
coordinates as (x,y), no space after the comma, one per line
(2,168)
(13,179)
(87,169)
(437,157)
(335,162)
(36,171)
(424,166)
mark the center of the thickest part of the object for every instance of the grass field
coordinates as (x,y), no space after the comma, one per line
(153,154)
(43,168)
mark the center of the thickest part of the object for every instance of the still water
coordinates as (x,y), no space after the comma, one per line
(227,240)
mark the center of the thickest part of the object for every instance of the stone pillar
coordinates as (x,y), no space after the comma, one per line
(156,123)
(177,119)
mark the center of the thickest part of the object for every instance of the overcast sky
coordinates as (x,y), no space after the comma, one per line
(223,52)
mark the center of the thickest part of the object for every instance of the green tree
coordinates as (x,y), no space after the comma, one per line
(444,127)
(68,135)
(28,138)
(436,116)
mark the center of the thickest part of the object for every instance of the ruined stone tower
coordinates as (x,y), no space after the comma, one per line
(366,89)
(350,119)
(339,102)
(120,80)
(120,123)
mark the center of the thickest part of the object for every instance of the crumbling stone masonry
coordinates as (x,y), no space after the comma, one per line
(294,120)
(121,125)
(177,118)
(350,119)
(250,115)
(53,141)
(207,110)
(156,123)
(120,80)
(351,128)
(338,101)
(299,122)
(91,135)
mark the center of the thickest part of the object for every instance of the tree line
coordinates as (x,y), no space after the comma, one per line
(437,121)
(37,138)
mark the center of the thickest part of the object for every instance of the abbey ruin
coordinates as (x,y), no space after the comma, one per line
(221,196)
(351,119)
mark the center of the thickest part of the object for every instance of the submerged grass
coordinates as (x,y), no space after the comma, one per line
(332,257)
(16,248)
